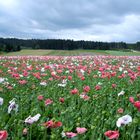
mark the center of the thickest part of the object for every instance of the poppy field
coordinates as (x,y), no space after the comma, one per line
(69,97)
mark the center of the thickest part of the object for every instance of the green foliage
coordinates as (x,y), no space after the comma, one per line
(59,44)
(98,114)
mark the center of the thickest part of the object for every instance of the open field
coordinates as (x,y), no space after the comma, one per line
(78,98)
(69,53)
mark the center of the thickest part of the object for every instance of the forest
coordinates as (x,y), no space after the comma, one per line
(14,44)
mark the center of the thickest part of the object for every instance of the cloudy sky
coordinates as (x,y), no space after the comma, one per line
(100,20)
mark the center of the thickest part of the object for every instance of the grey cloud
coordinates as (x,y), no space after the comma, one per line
(76,19)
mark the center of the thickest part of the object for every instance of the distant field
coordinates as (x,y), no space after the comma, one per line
(25,52)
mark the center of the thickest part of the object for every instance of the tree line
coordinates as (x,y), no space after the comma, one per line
(13,44)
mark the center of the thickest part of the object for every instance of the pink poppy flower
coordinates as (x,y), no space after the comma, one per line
(81,130)
(131,99)
(84,96)
(97,87)
(3,135)
(114,85)
(22,82)
(51,79)
(120,110)
(70,134)
(40,97)
(74,91)
(48,102)
(137,105)
(86,89)
(25,74)
(138,68)
(10,87)
(69,77)
(53,73)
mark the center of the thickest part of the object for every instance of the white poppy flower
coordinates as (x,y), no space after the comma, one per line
(82,71)
(64,81)
(61,85)
(5,83)
(13,85)
(125,71)
(2,80)
(124,120)
(42,69)
(121,93)
(82,96)
(63,134)
(12,106)
(67,71)
(31,120)
(99,73)
(132,67)
(43,83)
(21,75)
(1,101)
(99,83)
(120,69)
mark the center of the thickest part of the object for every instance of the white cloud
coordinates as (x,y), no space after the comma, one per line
(8,4)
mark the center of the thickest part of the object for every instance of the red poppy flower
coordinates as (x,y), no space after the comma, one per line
(61,100)
(112,134)
(52,124)
(137,105)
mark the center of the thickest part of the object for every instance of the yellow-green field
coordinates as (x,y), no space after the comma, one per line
(26,52)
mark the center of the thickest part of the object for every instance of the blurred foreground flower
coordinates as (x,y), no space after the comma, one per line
(31,120)
(124,120)
(3,135)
